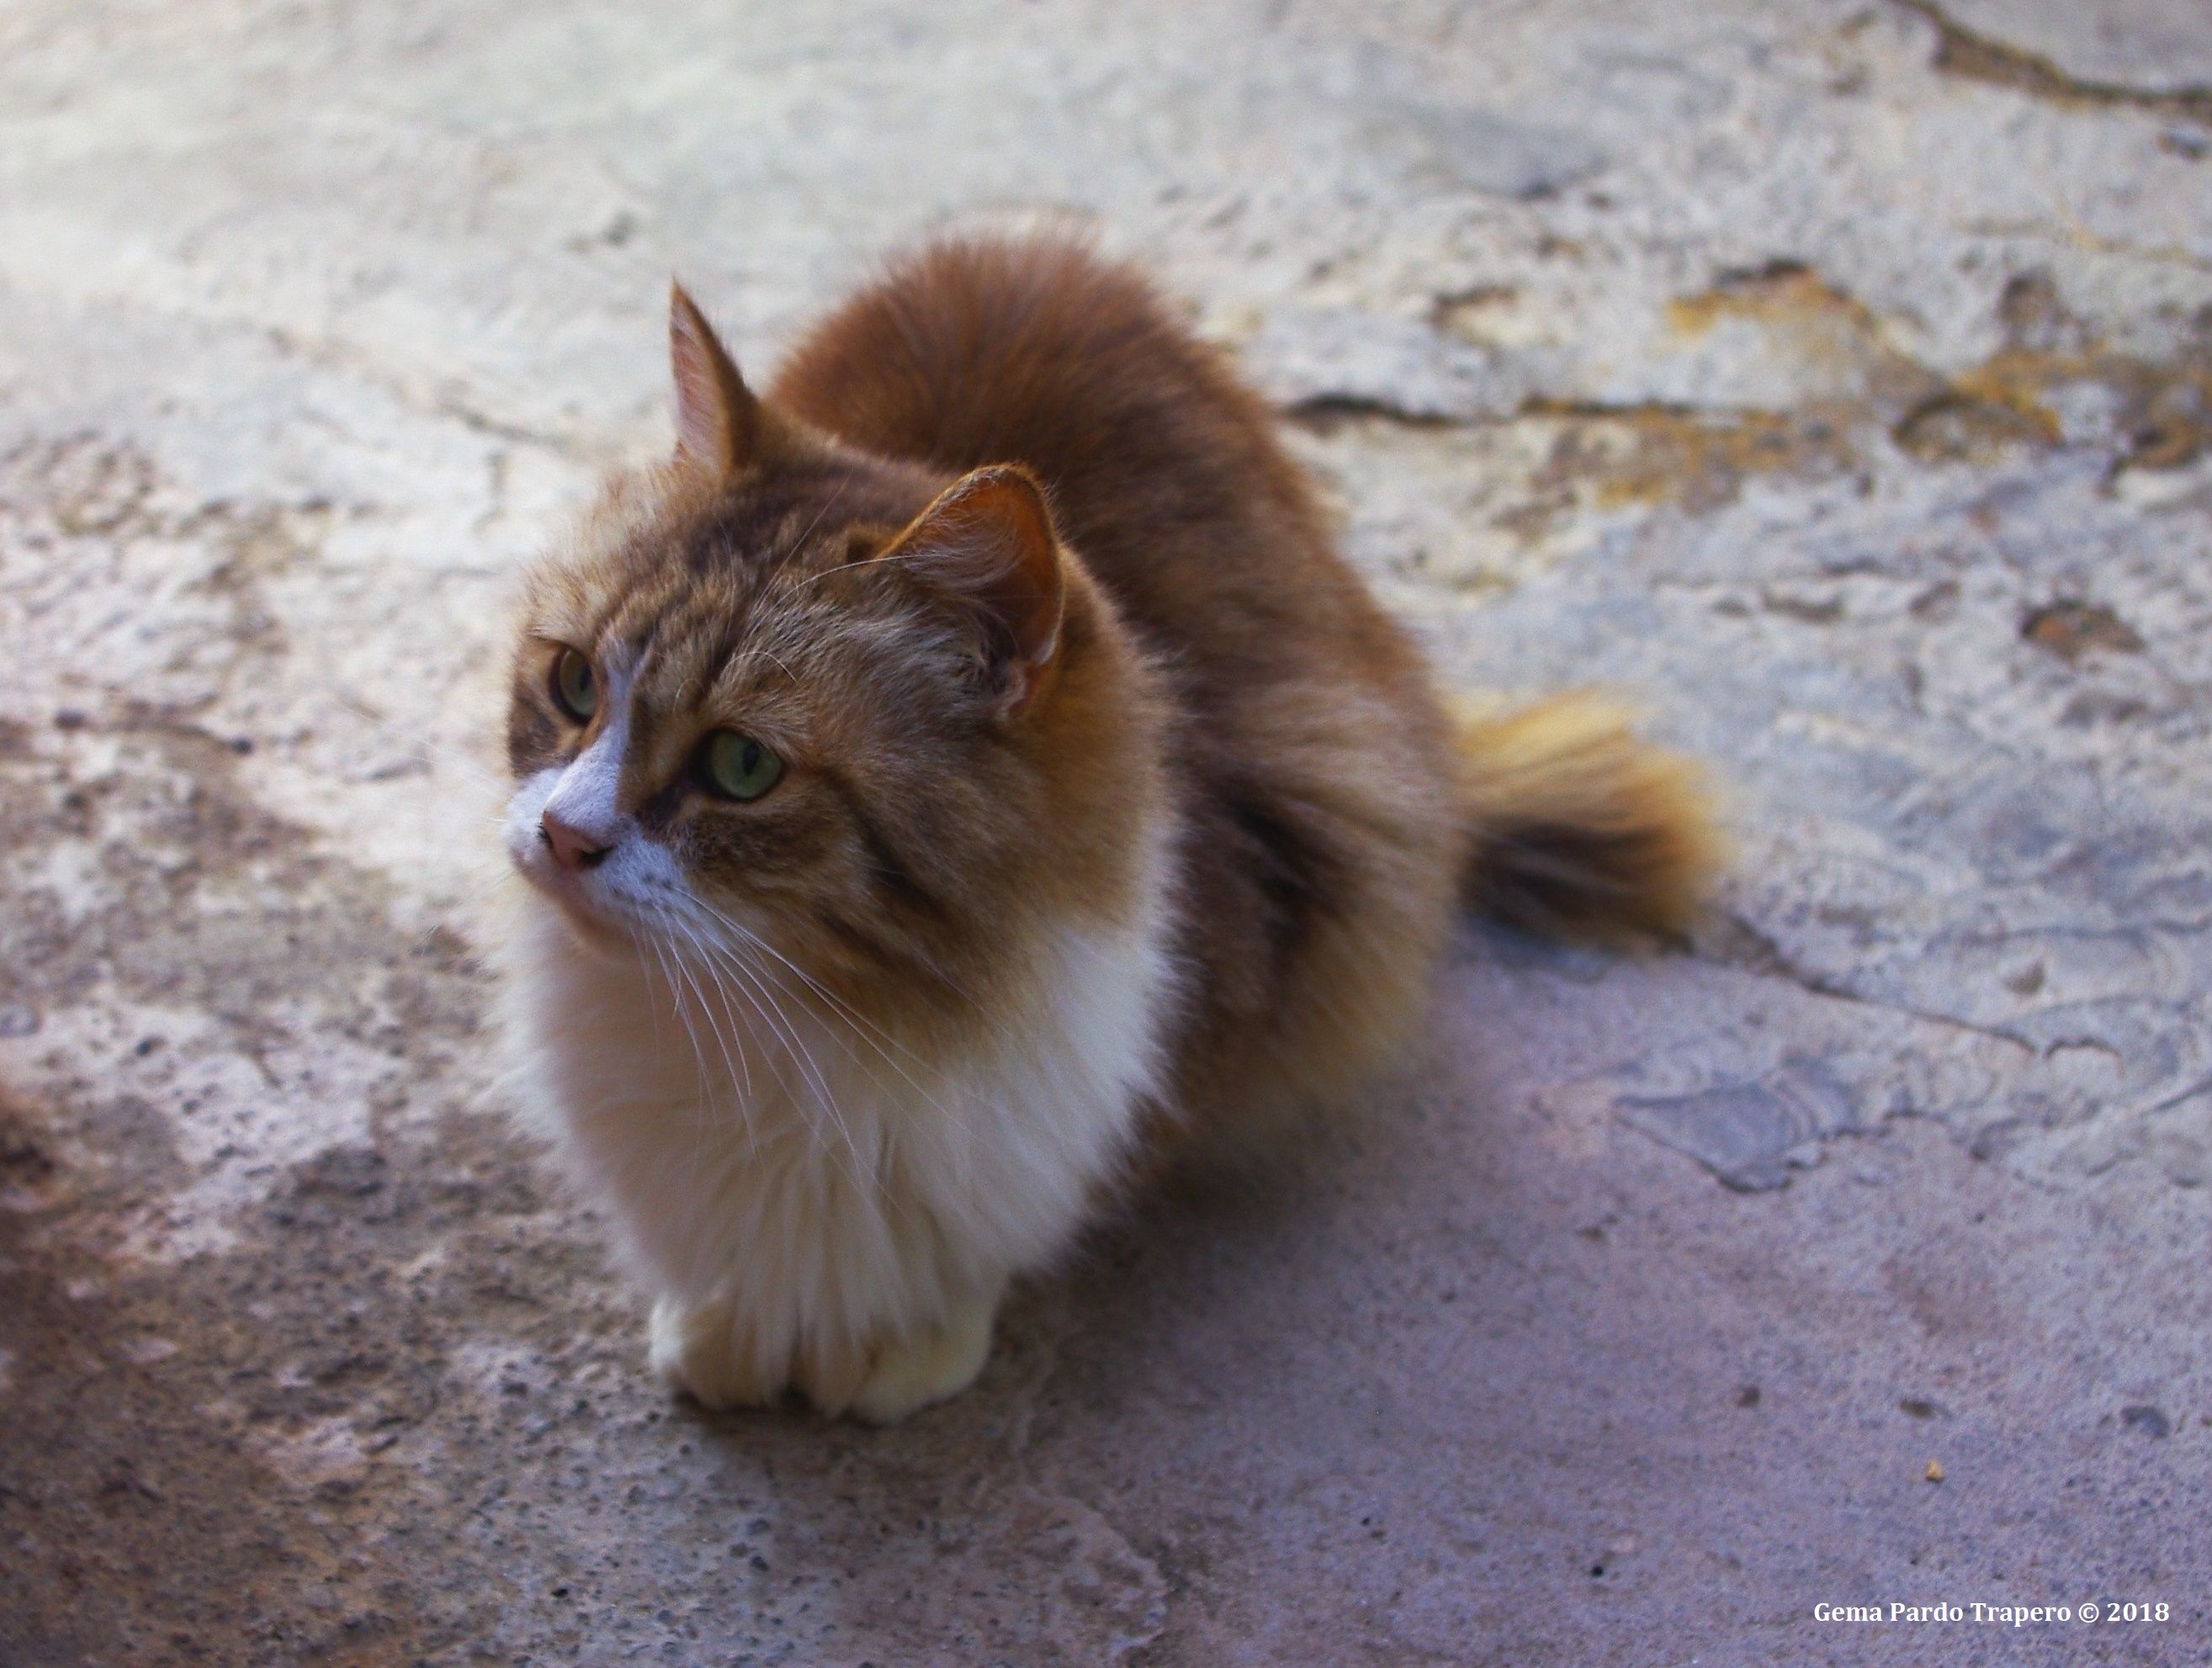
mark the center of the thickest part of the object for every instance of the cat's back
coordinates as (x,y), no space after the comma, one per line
(1320,833)
(1163,468)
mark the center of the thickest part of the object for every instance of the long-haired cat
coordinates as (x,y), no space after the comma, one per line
(965,778)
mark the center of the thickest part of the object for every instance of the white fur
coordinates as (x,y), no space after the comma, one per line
(792,1188)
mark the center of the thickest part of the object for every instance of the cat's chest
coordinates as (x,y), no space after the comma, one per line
(714,1125)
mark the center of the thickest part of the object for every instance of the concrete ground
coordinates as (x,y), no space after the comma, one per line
(1834,378)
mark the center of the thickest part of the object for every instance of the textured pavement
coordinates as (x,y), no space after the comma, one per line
(1834,379)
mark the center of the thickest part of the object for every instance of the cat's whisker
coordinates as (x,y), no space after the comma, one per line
(756,980)
(908,1129)
(835,1031)
(837,1003)
(929,965)
(861,1175)
(638,947)
(676,1000)
(706,1121)
(671,921)
(640,944)
(805,1060)
(835,497)
(683,971)
(840,1008)
(885,561)
(762,649)
(740,1070)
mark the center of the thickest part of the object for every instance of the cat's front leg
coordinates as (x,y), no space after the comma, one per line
(702,1349)
(929,1365)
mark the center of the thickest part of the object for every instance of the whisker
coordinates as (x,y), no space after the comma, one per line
(863,561)
(829,505)
(670,974)
(740,1071)
(861,1173)
(806,1061)
(859,1020)
(700,1116)
(783,1031)
(673,968)
(837,1003)
(983,1009)
(722,1043)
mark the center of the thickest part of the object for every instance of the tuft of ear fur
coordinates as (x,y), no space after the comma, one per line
(717,418)
(1576,828)
(988,542)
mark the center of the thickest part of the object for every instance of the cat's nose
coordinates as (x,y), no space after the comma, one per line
(572,849)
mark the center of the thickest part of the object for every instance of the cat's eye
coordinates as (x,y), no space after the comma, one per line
(738,767)
(575,686)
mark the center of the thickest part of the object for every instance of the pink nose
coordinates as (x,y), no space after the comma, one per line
(572,849)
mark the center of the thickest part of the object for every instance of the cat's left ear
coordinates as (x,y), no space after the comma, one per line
(987,543)
(718,420)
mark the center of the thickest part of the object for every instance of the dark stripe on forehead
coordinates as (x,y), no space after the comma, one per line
(692,593)
(719,567)
(635,618)
(769,524)
(693,636)
(740,535)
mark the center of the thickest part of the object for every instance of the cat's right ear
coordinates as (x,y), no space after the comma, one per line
(717,418)
(987,544)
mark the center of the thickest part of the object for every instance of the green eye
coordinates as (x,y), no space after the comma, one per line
(738,767)
(575,687)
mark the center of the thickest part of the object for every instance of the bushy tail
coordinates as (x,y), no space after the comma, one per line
(1577,829)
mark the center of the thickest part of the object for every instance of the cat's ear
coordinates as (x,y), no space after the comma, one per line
(988,543)
(717,418)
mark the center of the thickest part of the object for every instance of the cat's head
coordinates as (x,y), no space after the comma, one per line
(837,718)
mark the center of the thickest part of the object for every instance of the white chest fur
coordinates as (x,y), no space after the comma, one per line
(828,1186)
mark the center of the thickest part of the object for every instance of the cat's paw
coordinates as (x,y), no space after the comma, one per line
(938,1363)
(696,1349)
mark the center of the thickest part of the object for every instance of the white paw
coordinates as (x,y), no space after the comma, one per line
(697,1348)
(931,1366)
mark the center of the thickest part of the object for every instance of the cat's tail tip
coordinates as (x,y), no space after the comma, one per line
(1576,828)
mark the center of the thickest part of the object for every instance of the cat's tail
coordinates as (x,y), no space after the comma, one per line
(1577,829)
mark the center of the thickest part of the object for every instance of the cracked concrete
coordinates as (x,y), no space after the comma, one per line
(2103,54)
(1836,380)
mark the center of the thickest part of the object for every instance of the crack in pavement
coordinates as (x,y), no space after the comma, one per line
(1749,950)
(1972,56)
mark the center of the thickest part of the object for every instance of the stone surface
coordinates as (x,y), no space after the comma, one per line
(2122,48)
(1836,379)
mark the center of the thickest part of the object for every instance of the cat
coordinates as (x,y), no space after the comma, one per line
(965,782)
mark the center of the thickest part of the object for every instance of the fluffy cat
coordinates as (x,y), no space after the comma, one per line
(964,778)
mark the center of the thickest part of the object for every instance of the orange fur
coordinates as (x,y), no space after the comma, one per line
(1308,761)
(1577,828)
